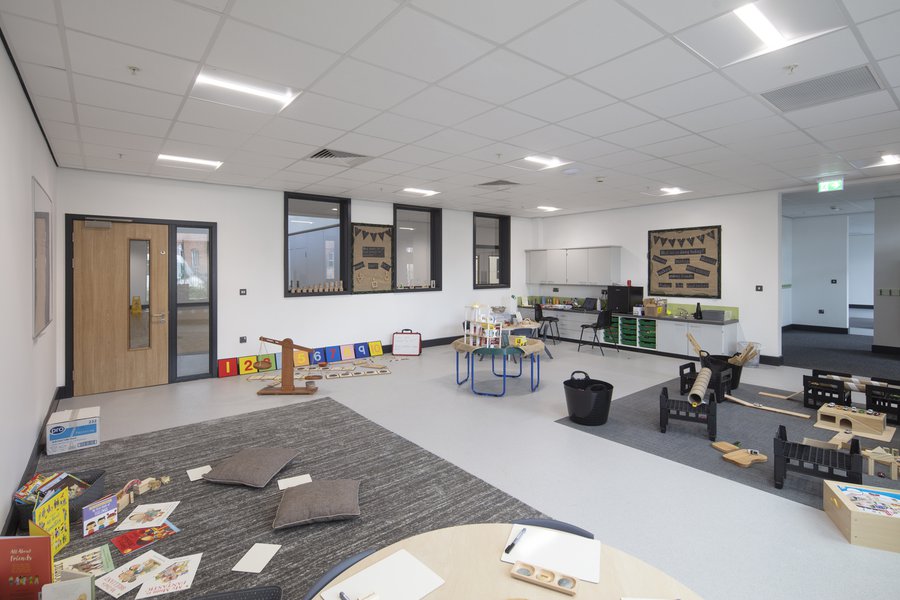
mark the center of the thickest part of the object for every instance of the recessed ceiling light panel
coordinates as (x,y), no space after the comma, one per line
(242,92)
(417,192)
(548,208)
(187,162)
(886,160)
(667,191)
(539,163)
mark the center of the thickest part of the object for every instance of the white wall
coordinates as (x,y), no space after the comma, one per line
(861,267)
(787,273)
(887,271)
(751,225)
(820,254)
(250,225)
(29,386)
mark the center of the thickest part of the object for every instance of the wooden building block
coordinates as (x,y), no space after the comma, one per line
(361,349)
(245,365)
(261,359)
(863,514)
(301,358)
(347,352)
(375,349)
(333,354)
(228,367)
(843,418)
(317,356)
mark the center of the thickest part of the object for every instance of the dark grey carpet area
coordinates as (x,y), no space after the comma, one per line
(404,490)
(634,421)
(862,322)
(837,352)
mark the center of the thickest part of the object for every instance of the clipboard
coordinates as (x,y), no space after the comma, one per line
(406,343)
(555,550)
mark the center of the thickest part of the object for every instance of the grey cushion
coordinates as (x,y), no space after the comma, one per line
(254,467)
(326,500)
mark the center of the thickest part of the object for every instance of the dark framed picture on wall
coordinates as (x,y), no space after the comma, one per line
(372,264)
(685,262)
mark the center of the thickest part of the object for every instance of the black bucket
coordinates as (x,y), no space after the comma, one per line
(718,363)
(587,399)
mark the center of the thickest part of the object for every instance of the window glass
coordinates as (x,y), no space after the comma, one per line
(491,250)
(414,249)
(315,229)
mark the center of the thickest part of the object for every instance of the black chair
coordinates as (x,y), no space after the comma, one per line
(604,320)
(333,572)
(547,323)
(557,525)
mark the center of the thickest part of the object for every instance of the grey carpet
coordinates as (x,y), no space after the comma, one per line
(837,352)
(634,421)
(862,322)
(405,490)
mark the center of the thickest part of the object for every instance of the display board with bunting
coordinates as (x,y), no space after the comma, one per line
(685,262)
(373,259)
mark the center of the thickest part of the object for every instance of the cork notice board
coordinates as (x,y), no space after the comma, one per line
(685,262)
(373,260)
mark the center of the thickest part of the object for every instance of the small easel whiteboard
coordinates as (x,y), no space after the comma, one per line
(406,343)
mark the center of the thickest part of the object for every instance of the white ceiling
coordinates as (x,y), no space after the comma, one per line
(444,94)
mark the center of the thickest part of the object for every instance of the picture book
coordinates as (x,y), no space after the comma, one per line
(27,494)
(51,518)
(99,515)
(176,575)
(97,561)
(876,502)
(147,515)
(25,566)
(132,574)
(75,486)
(79,588)
(136,539)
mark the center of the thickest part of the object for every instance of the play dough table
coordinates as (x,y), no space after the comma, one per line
(467,558)
(532,349)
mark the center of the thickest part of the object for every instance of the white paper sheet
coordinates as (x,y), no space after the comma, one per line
(197,474)
(256,558)
(558,551)
(400,576)
(289,482)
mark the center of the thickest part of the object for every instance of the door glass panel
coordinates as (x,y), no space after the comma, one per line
(139,296)
(192,313)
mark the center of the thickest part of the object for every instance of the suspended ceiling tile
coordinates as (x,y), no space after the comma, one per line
(416,155)
(397,128)
(497,20)
(500,77)
(119,139)
(382,88)
(673,16)
(724,114)
(863,10)
(453,141)
(439,49)
(329,112)
(298,131)
(201,134)
(881,35)
(681,145)
(500,124)
(547,138)
(45,81)
(33,41)
(561,101)
(162,25)
(683,97)
(749,130)
(588,149)
(42,10)
(389,166)
(648,133)
(124,97)
(194,150)
(53,109)
(213,114)
(364,144)
(94,116)
(861,125)
(608,119)
(586,35)
(324,24)
(267,145)
(891,69)
(444,107)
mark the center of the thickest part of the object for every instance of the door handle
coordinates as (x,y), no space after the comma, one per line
(160,316)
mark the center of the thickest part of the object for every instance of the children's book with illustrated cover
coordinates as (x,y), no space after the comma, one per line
(25,566)
(147,515)
(97,561)
(136,539)
(99,515)
(51,518)
(78,588)
(178,574)
(75,486)
(27,494)
(132,574)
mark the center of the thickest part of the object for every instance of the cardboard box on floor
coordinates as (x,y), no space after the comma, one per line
(69,430)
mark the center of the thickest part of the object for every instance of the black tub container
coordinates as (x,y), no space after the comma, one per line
(587,399)
(95,478)
(718,363)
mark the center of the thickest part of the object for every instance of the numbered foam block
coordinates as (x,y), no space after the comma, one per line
(317,356)
(245,365)
(375,349)
(347,352)
(301,358)
(272,362)
(361,349)
(278,360)
(228,367)
(332,354)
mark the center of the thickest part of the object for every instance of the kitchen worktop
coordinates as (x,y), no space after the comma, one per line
(688,319)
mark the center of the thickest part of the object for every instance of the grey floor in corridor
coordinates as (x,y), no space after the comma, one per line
(686,522)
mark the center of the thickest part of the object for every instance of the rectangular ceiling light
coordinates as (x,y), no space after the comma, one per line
(761,26)
(887,160)
(548,208)
(242,92)
(420,192)
(667,191)
(550,162)
(190,163)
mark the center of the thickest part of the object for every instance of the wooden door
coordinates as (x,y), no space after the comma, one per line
(120,295)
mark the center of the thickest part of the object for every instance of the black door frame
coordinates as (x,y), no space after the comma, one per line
(68,389)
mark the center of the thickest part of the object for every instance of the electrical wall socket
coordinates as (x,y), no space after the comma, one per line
(243,339)
(242,292)
(821,311)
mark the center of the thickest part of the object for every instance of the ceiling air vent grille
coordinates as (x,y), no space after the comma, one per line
(338,157)
(821,90)
(497,183)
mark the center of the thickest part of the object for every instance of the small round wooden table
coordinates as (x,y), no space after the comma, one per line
(467,558)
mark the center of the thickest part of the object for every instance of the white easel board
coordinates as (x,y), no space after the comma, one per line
(406,343)
(555,550)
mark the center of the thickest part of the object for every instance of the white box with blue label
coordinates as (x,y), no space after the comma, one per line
(69,430)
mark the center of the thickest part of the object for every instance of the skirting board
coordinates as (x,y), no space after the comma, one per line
(818,328)
(885,349)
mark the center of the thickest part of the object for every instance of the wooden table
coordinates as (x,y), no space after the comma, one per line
(467,558)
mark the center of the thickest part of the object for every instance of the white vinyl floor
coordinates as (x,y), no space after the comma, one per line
(725,540)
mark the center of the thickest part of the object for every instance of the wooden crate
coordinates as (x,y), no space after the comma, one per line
(861,527)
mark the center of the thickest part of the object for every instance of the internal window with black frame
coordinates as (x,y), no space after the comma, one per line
(316,230)
(417,253)
(491,250)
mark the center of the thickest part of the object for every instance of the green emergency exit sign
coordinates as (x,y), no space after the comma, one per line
(831,185)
